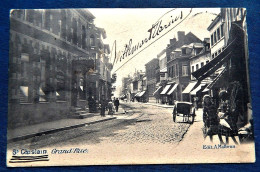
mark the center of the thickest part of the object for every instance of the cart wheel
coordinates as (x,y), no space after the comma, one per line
(192,119)
(174,117)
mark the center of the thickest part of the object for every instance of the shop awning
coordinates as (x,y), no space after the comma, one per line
(24,90)
(57,94)
(217,79)
(215,63)
(167,87)
(81,87)
(156,91)
(141,94)
(188,89)
(41,99)
(137,94)
(172,89)
(193,92)
(41,93)
(205,90)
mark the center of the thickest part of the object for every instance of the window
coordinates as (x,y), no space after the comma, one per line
(92,40)
(211,40)
(176,70)
(192,68)
(219,51)
(212,56)
(218,34)
(197,66)
(183,50)
(202,64)
(222,30)
(173,71)
(207,61)
(184,70)
(24,64)
(215,37)
(216,53)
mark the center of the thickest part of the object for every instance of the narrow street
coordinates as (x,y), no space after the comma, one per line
(142,123)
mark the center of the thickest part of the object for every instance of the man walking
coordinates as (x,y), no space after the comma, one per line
(103,106)
(116,103)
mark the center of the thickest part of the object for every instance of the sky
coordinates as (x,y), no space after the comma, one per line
(125,24)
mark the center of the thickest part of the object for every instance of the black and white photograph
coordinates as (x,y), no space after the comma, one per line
(104,86)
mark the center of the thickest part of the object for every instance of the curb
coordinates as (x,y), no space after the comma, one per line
(56,130)
(159,105)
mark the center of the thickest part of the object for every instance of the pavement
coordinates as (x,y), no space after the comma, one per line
(65,124)
(28,131)
(154,104)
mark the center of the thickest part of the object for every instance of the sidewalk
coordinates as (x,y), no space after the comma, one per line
(58,125)
(194,135)
(154,104)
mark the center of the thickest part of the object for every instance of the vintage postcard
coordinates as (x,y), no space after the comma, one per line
(129,86)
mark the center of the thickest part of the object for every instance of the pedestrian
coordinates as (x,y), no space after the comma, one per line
(91,104)
(116,103)
(110,108)
(228,119)
(210,118)
(102,106)
(196,102)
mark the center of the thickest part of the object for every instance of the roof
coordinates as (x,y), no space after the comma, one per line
(193,45)
(188,38)
(214,22)
(161,53)
(86,13)
(177,102)
(177,50)
(164,69)
(103,32)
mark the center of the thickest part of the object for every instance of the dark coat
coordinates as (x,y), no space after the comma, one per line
(116,103)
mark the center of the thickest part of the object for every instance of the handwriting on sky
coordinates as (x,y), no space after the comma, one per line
(162,26)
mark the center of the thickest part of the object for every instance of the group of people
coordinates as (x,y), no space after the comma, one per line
(109,105)
(222,120)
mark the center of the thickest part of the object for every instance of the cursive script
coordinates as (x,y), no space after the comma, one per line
(158,29)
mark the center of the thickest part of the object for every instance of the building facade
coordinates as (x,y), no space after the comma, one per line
(57,60)
(193,91)
(178,55)
(230,65)
(139,87)
(153,77)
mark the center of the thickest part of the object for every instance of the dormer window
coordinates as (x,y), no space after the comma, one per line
(183,50)
(92,40)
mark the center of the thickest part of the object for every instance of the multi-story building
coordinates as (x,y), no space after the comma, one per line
(162,70)
(57,60)
(230,62)
(152,77)
(126,89)
(178,65)
(139,86)
(197,61)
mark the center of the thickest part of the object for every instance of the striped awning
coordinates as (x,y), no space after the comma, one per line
(24,90)
(141,94)
(156,91)
(193,92)
(172,89)
(166,88)
(137,94)
(188,89)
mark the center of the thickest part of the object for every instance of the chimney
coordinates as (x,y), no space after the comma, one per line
(206,44)
(173,41)
(181,35)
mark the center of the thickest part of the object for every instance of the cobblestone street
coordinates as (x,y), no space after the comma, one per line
(142,123)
